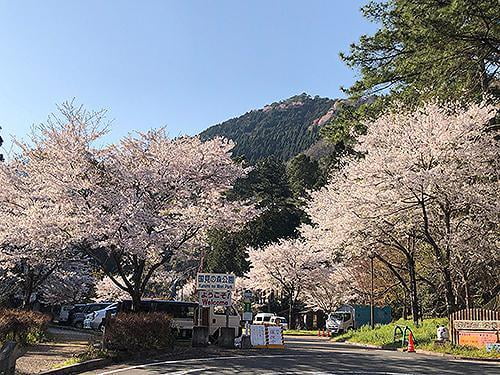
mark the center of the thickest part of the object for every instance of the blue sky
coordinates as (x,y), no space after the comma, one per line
(183,64)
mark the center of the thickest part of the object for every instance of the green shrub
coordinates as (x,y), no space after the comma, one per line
(383,335)
(24,327)
(139,331)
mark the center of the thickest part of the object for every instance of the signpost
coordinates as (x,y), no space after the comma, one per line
(247,305)
(214,289)
(215,281)
(209,298)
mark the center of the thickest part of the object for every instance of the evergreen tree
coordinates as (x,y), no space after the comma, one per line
(227,253)
(303,174)
(428,49)
(267,183)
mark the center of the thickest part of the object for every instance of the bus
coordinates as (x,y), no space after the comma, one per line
(182,313)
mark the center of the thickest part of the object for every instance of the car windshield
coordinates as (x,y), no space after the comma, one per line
(93,308)
(340,316)
(78,309)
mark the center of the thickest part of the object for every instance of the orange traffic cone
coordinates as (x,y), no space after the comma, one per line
(319,332)
(411,344)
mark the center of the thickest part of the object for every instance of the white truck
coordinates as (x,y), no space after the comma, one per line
(214,318)
(348,317)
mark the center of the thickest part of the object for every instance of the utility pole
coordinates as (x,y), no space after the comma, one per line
(372,315)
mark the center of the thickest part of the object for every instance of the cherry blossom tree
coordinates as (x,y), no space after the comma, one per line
(73,283)
(290,265)
(107,290)
(133,206)
(331,287)
(33,248)
(428,180)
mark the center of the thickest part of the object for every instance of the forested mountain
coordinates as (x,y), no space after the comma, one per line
(281,130)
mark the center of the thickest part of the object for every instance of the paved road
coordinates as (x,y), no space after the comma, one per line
(311,356)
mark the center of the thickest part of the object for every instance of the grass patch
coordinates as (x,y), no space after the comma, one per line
(424,335)
(69,362)
(300,332)
(90,353)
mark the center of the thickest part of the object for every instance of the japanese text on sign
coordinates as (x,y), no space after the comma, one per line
(214,298)
(215,281)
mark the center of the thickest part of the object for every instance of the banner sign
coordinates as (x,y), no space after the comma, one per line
(209,298)
(215,281)
(274,337)
(258,336)
(478,339)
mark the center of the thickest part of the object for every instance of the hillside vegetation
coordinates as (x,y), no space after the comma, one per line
(280,130)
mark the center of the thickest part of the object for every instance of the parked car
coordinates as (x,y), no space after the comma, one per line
(279,321)
(95,320)
(263,318)
(79,312)
(61,313)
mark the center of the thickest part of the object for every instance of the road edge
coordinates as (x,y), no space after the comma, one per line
(77,368)
(422,351)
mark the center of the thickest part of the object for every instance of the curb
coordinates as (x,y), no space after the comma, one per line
(366,346)
(77,368)
(453,356)
(422,351)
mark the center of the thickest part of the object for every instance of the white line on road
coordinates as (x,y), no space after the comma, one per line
(183,361)
(183,372)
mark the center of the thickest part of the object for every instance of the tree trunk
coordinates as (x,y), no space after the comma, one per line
(136,301)
(449,294)
(413,290)
(290,313)
(469,303)
(405,307)
(28,290)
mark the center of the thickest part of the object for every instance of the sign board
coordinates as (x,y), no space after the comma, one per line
(247,295)
(215,281)
(274,337)
(247,316)
(258,336)
(487,325)
(209,298)
(478,339)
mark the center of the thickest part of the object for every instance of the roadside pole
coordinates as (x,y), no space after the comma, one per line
(247,308)
(372,317)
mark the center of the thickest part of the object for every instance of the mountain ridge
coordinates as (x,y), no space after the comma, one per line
(282,129)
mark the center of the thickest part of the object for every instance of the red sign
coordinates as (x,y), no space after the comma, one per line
(478,339)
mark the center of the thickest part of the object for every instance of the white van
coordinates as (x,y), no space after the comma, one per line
(63,313)
(278,321)
(263,318)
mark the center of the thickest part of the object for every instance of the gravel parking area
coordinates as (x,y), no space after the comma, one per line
(65,343)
